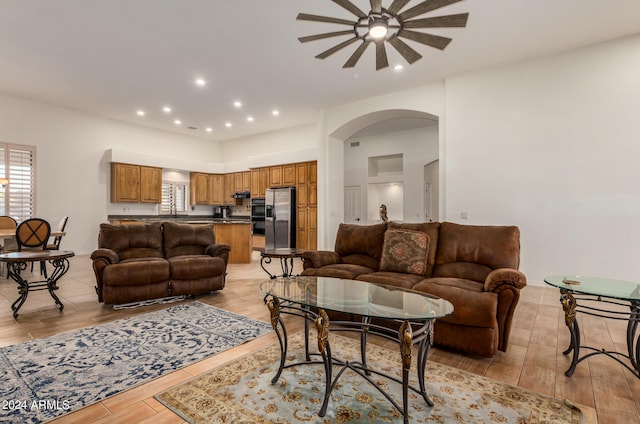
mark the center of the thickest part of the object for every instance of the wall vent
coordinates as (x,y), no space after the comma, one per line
(355,144)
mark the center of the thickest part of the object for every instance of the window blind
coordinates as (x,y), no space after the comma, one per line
(18,166)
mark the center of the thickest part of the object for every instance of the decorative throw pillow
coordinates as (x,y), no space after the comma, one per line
(405,251)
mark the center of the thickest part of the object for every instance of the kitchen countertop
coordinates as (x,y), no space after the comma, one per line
(185,219)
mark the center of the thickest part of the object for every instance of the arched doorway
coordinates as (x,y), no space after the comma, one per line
(383,136)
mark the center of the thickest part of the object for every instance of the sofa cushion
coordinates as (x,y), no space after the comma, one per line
(186,239)
(472,251)
(405,251)
(471,306)
(132,241)
(191,267)
(137,272)
(397,279)
(360,244)
(432,229)
(344,271)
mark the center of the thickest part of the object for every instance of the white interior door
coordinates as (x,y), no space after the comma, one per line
(352,204)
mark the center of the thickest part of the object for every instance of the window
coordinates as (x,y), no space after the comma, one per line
(17,164)
(174,198)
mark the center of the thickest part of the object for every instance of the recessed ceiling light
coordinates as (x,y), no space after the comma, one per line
(209,129)
(228,124)
(166,109)
(275,112)
(237,104)
(177,122)
(140,112)
(200,82)
(250,118)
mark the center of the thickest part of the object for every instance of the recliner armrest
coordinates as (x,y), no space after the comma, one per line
(105,254)
(319,258)
(219,249)
(504,276)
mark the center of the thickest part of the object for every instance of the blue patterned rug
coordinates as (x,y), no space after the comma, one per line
(44,379)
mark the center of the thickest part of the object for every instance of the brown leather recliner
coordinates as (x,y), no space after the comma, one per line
(473,267)
(155,260)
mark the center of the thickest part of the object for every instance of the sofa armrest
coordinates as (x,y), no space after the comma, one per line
(319,258)
(101,259)
(219,249)
(504,276)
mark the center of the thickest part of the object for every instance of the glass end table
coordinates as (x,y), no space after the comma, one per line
(613,299)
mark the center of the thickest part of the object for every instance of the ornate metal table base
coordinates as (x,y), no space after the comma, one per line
(286,257)
(60,267)
(571,306)
(406,336)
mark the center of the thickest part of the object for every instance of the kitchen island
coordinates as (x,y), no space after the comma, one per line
(234,231)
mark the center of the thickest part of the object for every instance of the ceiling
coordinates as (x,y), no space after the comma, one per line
(114,57)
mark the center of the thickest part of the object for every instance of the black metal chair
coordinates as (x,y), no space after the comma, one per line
(33,234)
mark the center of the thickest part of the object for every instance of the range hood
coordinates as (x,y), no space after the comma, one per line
(241,195)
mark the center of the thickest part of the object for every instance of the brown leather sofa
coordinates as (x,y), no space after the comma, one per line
(155,260)
(473,267)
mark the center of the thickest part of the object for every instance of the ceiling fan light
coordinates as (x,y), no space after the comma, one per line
(378,29)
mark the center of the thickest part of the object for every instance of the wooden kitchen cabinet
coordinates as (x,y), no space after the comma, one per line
(275,176)
(199,190)
(238,182)
(216,189)
(255,183)
(229,189)
(306,177)
(238,236)
(125,183)
(289,175)
(135,183)
(246,181)
(150,184)
(263,183)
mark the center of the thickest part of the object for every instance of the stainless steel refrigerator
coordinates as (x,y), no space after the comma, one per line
(280,218)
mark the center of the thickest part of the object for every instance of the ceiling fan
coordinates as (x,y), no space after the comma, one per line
(387,25)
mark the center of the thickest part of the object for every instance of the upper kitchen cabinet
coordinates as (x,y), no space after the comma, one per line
(150,184)
(238,181)
(275,176)
(216,189)
(199,188)
(229,189)
(246,181)
(259,182)
(289,175)
(135,183)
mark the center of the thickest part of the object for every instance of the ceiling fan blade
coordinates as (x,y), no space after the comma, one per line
(409,54)
(381,56)
(448,21)
(316,18)
(376,6)
(355,57)
(351,8)
(429,39)
(396,6)
(424,7)
(325,35)
(335,48)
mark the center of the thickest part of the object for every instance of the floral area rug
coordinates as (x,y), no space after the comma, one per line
(241,392)
(43,379)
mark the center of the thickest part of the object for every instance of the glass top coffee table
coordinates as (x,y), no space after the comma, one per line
(311,298)
(600,297)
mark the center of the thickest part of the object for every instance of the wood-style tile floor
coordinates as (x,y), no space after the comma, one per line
(604,390)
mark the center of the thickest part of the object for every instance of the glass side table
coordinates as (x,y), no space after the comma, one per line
(600,297)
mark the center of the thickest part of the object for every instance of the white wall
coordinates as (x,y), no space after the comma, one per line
(72,175)
(419,147)
(552,146)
